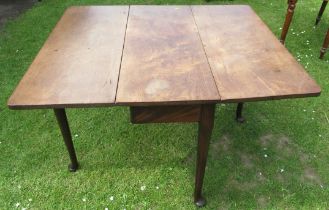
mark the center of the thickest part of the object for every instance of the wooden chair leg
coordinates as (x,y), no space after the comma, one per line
(323,7)
(289,15)
(325,45)
(206,123)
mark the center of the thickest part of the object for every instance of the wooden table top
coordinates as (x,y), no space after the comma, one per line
(152,55)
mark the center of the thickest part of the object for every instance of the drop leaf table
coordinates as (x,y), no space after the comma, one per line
(167,63)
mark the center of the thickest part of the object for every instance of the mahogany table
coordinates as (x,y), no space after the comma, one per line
(167,63)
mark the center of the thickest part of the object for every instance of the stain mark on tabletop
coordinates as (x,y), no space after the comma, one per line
(155,86)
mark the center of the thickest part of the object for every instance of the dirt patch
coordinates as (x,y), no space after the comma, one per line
(304,158)
(262,202)
(311,176)
(266,140)
(285,145)
(190,158)
(284,177)
(260,177)
(222,145)
(247,161)
(287,150)
(280,178)
(232,183)
(244,186)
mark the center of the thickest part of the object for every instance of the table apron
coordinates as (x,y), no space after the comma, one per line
(165,114)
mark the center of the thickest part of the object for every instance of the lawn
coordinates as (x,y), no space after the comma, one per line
(278,159)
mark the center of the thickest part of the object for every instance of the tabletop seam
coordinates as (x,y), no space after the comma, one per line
(123,47)
(205,53)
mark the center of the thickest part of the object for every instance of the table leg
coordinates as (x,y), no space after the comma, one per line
(289,15)
(206,123)
(239,117)
(325,45)
(65,129)
(323,7)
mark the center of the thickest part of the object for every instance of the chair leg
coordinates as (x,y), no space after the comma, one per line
(325,45)
(323,7)
(287,22)
(239,117)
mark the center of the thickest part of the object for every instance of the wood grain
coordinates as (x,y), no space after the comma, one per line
(163,59)
(247,60)
(171,55)
(78,65)
(165,114)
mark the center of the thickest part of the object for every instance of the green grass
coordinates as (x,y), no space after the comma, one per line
(117,158)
